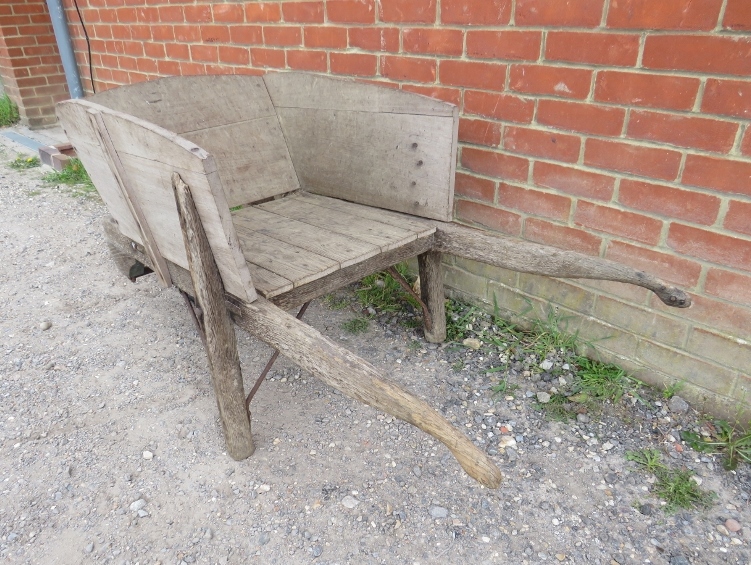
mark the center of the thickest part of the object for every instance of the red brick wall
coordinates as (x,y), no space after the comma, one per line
(618,128)
(30,65)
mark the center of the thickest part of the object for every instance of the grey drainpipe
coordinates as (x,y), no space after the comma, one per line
(65,46)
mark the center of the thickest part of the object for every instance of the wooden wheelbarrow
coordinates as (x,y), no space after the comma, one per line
(253,195)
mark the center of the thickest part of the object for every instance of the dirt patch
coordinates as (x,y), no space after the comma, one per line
(112,451)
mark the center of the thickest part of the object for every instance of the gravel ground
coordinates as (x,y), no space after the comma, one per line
(111,450)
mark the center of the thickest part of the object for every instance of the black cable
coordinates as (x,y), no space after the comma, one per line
(88,46)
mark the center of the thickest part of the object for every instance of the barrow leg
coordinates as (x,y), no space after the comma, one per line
(358,379)
(432,294)
(221,345)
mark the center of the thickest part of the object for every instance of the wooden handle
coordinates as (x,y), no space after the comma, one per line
(358,379)
(526,257)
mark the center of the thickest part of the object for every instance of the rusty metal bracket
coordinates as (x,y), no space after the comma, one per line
(405,285)
(270,364)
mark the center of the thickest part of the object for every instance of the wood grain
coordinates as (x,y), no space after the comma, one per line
(432,294)
(221,344)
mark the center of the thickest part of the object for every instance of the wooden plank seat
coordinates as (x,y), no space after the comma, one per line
(256,194)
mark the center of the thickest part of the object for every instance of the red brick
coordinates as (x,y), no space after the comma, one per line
(452,95)
(141,32)
(729,285)
(213,34)
(408,68)
(164,33)
(374,38)
(738,218)
(246,35)
(642,89)
(499,106)
(718,315)
(176,51)
(698,53)
(476,12)
(418,11)
(198,14)
(333,37)
(512,45)
(737,15)
(204,53)
(282,35)
(433,41)
(555,81)
(306,12)
(480,132)
(710,246)
(307,60)
(171,14)
(727,97)
(670,202)
(267,57)
(166,68)
(545,144)
(187,33)
(684,131)
(573,181)
(495,164)
(669,267)
(262,12)
(148,65)
(234,55)
(618,222)
(534,202)
(565,237)
(186,68)
(718,174)
(353,64)
(645,161)
(614,49)
(582,117)
(571,13)
(493,218)
(228,13)
(489,76)
(665,14)
(746,143)
(351,11)
(474,187)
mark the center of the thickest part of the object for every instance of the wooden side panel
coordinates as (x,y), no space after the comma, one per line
(370,145)
(399,162)
(229,116)
(149,156)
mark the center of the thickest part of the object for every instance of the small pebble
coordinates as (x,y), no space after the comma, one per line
(350,502)
(317,550)
(678,405)
(543,397)
(89,547)
(44,326)
(264,538)
(472,343)
(582,418)
(506,441)
(439,512)
(546,365)
(137,505)
(732,525)
(148,455)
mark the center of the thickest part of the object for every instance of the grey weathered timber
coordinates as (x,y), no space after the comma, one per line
(527,257)
(358,379)
(431,292)
(334,180)
(221,345)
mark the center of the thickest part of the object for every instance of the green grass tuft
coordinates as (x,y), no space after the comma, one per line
(74,174)
(356,325)
(734,444)
(21,163)
(8,111)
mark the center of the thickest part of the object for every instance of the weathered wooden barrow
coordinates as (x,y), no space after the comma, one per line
(253,195)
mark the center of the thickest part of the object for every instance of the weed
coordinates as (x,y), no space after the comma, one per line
(236,208)
(414,345)
(457,365)
(551,334)
(334,302)
(356,325)
(674,486)
(503,386)
(74,174)
(459,318)
(383,292)
(21,163)
(410,323)
(603,380)
(672,389)
(734,444)
(8,111)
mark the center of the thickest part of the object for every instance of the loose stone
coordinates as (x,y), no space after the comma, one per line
(732,525)
(678,405)
(148,455)
(350,502)
(439,512)
(543,397)
(137,505)
(44,326)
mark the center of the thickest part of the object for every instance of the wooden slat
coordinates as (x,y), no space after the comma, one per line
(398,162)
(303,90)
(385,236)
(342,249)
(421,227)
(252,159)
(289,261)
(189,103)
(267,283)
